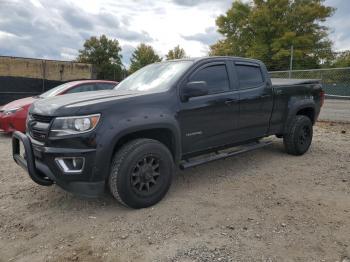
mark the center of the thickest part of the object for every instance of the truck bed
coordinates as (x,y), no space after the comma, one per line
(291,82)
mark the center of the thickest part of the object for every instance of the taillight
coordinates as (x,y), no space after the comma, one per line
(322,95)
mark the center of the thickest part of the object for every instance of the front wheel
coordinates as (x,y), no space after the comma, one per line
(298,138)
(141,173)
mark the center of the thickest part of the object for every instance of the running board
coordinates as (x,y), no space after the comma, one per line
(249,147)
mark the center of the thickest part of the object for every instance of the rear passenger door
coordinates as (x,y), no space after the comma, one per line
(209,121)
(255,100)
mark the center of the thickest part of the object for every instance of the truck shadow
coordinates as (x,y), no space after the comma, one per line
(204,175)
(192,179)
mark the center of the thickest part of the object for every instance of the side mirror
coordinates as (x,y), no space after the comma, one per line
(195,88)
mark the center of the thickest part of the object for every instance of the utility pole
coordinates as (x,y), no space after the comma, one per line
(43,65)
(291,61)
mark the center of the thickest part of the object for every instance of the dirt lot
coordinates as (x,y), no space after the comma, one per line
(261,206)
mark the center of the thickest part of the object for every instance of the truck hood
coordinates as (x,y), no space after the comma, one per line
(78,103)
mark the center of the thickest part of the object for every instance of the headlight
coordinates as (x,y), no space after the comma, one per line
(11,110)
(72,125)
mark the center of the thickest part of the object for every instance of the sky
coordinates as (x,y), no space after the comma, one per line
(57,29)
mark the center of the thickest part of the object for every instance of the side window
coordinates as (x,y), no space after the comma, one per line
(81,88)
(104,86)
(215,76)
(249,76)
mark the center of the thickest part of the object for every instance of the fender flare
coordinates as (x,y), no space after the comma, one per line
(294,107)
(174,130)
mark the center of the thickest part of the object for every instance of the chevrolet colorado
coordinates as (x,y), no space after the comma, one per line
(179,113)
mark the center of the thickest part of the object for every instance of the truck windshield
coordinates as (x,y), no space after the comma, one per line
(155,77)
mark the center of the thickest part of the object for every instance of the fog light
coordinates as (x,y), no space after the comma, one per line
(71,165)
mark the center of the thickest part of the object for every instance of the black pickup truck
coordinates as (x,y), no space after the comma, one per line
(171,114)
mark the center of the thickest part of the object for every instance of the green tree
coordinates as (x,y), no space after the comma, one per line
(142,56)
(105,55)
(342,59)
(176,53)
(266,30)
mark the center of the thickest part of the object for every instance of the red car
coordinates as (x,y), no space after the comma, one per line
(13,115)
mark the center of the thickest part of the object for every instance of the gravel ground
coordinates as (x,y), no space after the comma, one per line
(261,206)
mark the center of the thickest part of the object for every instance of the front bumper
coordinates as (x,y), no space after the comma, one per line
(39,162)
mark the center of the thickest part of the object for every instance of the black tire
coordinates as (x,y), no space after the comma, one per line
(298,138)
(141,173)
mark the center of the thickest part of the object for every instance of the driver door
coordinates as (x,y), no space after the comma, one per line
(210,120)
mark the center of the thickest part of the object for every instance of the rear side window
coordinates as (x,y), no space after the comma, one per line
(249,76)
(81,88)
(215,76)
(104,86)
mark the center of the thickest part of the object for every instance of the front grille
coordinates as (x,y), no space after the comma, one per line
(38,135)
(40,118)
(38,126)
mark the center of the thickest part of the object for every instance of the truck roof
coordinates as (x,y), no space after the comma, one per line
(197,59)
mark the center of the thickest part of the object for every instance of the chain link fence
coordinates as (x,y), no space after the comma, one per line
(336,81)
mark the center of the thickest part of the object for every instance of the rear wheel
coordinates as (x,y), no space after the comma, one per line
(299,136)
(141,173)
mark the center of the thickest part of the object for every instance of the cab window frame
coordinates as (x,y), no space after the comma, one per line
(248,64)
(206,65)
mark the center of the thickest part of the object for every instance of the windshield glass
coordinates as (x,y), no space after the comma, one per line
(56,90)
(155,77)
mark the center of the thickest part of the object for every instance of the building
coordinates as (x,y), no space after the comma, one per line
(23,77)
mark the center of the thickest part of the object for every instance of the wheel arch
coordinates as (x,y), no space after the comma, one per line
(307,111)
(165,134)
(301,107)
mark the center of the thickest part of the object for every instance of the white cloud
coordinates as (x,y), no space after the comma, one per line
(339,24)
(57,29)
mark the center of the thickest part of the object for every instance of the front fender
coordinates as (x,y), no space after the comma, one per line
(112,130)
